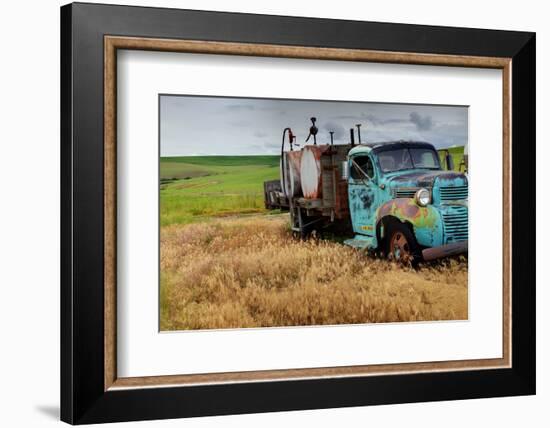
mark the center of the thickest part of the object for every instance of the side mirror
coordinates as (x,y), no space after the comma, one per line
(345,170)
(449,161)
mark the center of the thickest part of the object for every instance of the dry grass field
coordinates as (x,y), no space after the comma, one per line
(250,272)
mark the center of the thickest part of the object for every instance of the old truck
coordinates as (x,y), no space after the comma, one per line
(394,197)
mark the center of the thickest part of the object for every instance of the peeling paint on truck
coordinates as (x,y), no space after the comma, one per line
(384,197)
(426,221)
(370,189)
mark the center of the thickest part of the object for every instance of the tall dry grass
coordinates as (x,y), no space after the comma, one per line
(250,272)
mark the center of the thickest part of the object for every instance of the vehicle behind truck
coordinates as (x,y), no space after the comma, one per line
(394,197)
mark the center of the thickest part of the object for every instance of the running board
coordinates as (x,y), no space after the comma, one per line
(360,242)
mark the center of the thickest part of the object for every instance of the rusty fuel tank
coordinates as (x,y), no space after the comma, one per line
(290,173)
(311,170)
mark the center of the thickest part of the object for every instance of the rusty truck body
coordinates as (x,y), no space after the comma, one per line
(391,196)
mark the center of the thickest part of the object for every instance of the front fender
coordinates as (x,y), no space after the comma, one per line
(425,221)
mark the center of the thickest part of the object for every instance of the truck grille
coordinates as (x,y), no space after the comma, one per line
(407,192)
(455,224)
(453,193)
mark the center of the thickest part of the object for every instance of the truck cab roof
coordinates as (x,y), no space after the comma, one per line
(388,145)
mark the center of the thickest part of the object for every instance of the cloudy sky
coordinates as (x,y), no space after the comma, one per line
(194,125)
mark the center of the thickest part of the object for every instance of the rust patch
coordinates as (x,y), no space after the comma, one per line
(341,206)
(407,209)
(399,205)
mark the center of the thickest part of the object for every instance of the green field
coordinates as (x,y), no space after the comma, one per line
(195,187)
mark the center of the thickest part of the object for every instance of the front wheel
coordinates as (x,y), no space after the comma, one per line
(401,244)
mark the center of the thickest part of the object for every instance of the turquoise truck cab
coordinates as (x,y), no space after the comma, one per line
(401,201)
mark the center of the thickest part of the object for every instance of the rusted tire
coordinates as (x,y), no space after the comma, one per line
(401,244)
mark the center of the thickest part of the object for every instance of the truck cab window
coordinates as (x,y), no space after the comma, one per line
(365,164)
(424,158)
(395,160)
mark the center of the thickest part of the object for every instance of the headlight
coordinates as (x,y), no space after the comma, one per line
(423,197)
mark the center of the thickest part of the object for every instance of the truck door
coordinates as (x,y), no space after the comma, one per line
(362,194)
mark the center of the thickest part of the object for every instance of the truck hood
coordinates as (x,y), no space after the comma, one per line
(425,178)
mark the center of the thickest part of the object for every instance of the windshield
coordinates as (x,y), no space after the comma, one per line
(408,158)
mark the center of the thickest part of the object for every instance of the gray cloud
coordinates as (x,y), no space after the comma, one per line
(339,130)
(237,107)
(273,146)
(423,123)
(377,121)
(194,125)
(241,123)
(348,116)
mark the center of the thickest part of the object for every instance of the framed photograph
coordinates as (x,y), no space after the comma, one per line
(265,213)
